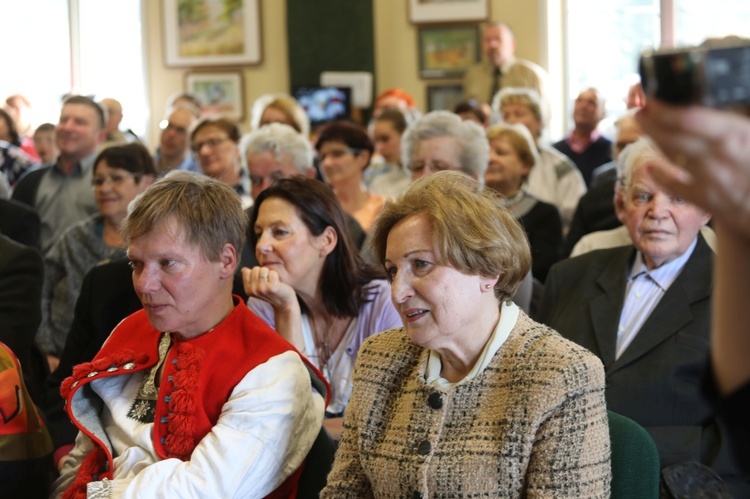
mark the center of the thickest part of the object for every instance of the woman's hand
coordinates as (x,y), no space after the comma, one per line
(263,283)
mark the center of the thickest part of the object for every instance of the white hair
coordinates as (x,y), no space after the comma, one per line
(279,139)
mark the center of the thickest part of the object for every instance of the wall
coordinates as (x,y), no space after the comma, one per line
(396,51)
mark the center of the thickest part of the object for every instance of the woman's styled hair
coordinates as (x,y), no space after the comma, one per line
(525,96)
(231,129)
(345,275)
(133,157)
(519,138)
(353,136)
(395,117)
(474,233)
(295,114)
(208,212)
(475,151)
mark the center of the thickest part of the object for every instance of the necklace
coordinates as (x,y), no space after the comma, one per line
(331,337)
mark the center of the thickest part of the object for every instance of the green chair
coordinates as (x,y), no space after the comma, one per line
(635,460)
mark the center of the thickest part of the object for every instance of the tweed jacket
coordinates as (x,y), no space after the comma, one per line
(532,423)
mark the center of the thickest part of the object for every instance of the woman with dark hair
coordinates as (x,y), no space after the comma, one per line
(216,144)
(120,173)
(344,150)
(386,175)
(8,130)
(312,286)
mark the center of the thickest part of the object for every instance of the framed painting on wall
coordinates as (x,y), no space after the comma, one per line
(211,32)
(444,97)
(221,93)
(437,11)
(447,51)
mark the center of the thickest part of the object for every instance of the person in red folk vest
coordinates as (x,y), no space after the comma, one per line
(193,396)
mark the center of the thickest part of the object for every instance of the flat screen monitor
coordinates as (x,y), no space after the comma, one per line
(324,104)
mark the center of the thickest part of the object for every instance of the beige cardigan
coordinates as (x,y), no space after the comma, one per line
(533,423)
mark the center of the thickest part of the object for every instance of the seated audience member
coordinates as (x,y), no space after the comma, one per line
(277,151)
(595,210)
(311,285)
(645,311)
(14,161)
(475,111)
(554,179)
(712,149)
(396,98)
(439,141)
(21,277)
(25,446)
(279,108)
(216,143)
(19,222)
(113,135)
(120,174)
(18,108)
(386,175)
(106,298)
(44,142)
(469,395)
(174,151)
(194,395)
(61,192)
(585,145)
(344,150)
(512,156)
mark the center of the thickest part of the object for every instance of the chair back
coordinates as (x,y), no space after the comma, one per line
(318,464)
(635,460)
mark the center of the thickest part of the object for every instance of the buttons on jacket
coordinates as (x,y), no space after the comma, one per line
(112,369)
(424,447)
(435,400)
(92,374)
(129,366)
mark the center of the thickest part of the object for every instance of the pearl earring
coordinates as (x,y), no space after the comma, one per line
(487,286)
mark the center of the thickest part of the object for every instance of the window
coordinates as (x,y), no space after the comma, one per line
(91,47)
(603,40)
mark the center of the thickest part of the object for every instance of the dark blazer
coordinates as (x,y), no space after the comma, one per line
(21,276)
(657,380)
(595,211)
(20,222)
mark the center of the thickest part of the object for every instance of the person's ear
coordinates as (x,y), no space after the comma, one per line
(327,241)
(228,260)
(619,202)
(487,284)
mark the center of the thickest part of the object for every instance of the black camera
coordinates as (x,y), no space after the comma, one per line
(712,75)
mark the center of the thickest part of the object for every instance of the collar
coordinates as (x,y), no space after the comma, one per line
(665,275)
(80,168)
(579,145)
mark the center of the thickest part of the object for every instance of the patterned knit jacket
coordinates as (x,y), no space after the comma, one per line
(533,423)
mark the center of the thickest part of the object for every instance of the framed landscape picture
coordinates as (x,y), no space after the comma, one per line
(447,51)
(444,11)
(211,32)
(221,93)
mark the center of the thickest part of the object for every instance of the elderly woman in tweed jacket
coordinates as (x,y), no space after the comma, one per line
(471,398)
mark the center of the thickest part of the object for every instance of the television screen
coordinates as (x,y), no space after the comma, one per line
(323,104)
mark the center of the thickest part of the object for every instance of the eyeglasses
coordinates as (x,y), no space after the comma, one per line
(434,166)
(114,179)
(337,153)
(211,143)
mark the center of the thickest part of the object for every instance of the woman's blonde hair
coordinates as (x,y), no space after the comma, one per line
(474,233)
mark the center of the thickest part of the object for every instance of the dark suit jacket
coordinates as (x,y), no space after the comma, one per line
(595,211)
(21,275)
(657,380)
(20,222)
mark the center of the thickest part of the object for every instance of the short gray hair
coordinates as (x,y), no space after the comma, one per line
(475,149)
(279,139)
(633,155)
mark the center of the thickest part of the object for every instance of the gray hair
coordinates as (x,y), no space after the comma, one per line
(633,155)
(519,95)
(279,139)
(475,150)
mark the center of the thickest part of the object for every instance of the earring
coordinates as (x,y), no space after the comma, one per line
(487,286)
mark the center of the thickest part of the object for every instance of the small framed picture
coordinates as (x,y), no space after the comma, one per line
(221,93)
(211,33)
(444,11)
(444,97)
(447,51)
